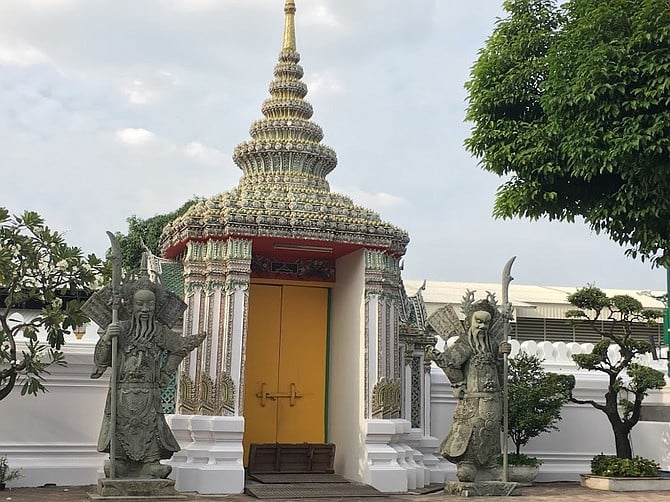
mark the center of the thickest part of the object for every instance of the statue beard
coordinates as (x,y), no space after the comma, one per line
(141,328)
(479,341)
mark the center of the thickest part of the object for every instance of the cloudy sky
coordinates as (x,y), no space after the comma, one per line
(112,108)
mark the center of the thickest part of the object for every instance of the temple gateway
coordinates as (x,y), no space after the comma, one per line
(311,341)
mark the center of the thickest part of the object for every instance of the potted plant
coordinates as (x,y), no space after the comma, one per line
(7,474)
(612,473)
(535,401)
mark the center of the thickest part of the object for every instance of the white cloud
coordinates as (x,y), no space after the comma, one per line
(324,83)
(319,14)
(51,4)
(192,5)
(19,54)
(132,136)
(77,96)
(148,89)
(204,154)
(139,94)
(376,201)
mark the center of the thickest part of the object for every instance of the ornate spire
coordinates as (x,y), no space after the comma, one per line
(289,26)
(283,193)
(286,141)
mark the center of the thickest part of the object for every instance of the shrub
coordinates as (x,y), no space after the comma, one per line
(613,466)
(535,399)
(7,474)
(520,459)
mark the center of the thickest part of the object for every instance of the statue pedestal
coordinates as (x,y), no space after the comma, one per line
(482,489)
(127,489)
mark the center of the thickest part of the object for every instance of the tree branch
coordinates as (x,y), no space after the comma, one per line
(596,405)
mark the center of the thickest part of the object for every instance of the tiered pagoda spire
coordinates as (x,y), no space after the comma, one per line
(286,140)
(283,193)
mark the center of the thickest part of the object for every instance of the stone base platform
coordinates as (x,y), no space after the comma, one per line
(128,489)
(482,489)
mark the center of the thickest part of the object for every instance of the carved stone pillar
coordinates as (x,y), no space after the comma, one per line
(382,277)
(216,274)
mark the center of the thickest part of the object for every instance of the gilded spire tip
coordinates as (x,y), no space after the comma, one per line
(289,26)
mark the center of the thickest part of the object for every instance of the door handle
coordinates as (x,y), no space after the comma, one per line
(291,395)
(263,395)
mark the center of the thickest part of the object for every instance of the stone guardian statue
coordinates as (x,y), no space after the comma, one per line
(472,361)
(143,352)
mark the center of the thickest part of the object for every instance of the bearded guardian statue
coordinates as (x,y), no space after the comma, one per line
(474,366)
(148,354)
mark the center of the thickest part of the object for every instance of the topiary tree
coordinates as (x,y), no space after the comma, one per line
(628,380)
(38,270)
(535,400)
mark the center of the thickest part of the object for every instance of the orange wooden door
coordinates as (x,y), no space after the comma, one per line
(285,366)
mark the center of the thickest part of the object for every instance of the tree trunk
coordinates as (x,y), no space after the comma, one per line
(621,439)
(623,449)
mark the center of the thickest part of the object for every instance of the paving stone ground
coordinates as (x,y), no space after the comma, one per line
(543,492)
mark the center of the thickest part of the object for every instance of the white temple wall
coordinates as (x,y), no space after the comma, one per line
(583,432)
(53,437)
(346,366)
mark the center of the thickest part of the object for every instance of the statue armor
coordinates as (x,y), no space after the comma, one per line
(476,428)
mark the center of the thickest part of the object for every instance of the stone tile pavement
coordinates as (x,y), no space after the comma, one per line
(543,492)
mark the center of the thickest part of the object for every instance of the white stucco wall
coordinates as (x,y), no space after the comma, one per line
(53,437)
(346,365)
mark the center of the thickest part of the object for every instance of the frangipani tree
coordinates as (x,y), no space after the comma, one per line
(38,271)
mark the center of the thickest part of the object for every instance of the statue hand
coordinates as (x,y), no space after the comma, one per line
(505,348)
(113,331)
(192,341)
(432,354)
(458,390)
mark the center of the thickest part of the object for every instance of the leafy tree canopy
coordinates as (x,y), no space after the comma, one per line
(38,270)
(571,104)
(147,231)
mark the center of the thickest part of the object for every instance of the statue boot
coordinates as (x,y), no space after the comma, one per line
(155,470)
(121,469)
(466,472)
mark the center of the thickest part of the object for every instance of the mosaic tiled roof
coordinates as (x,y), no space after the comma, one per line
(172,277)
(283,191)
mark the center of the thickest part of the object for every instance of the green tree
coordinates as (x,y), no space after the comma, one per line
(615,355)
(572,105)
(147,231)
(535,399)
(38,270)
